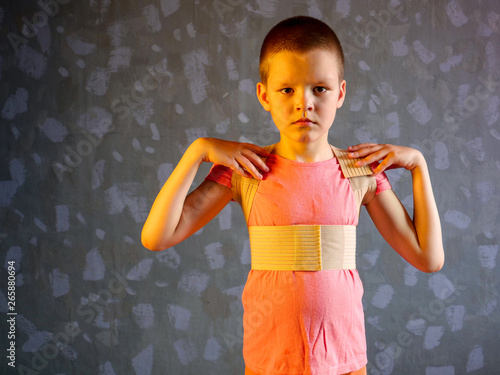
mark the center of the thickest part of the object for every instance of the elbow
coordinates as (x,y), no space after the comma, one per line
(151,243)
(432,266)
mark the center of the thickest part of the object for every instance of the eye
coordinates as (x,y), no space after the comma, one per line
(320,89)
(286,90)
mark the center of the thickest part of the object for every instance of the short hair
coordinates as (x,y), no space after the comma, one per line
(299,34)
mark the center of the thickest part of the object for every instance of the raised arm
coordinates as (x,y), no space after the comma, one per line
(419,241)
(175,215)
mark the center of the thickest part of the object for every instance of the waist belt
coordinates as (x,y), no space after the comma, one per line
(303,247)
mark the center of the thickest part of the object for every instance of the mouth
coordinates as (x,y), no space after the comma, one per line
(304,122)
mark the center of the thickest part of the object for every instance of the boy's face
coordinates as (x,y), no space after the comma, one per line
(298,82)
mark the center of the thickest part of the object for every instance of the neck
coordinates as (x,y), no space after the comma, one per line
(304,151)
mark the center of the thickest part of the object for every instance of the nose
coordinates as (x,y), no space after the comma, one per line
(304,103)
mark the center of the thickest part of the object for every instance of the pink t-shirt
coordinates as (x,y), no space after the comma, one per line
(302,322)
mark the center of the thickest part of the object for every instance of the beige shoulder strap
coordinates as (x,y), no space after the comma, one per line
(244,188)
(363,186)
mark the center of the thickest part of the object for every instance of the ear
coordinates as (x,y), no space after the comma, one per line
(342,93)
(262,96)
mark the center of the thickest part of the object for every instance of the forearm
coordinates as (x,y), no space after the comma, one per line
(167,208)
(426,218)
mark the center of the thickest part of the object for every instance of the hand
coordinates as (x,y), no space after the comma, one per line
(242,158)
(391,156)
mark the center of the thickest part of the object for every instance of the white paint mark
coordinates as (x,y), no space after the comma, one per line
(179,317)
(476,148)
(491,113)
(154,131)
(246,257)
(243,118)
(153,23)
(170,257)
(63,72)
(365,134)
(475,359)
(343,7)
(80,63)
(194,133)
(143,362)
(425,55)
(114,201)
(190,30)
(487,256)
(416,326)
(118,157)
(144,111)
(364,66)
(488,307)
(441,159)
(31,62)
(194,70)
(450,63)
(54,130)
(15,104)
(149,150)
(214,255)
(97,174)
(119,58)
(455,317)
(369,259)
(15,131)
(186,351)
(136,144)
(79,46)
(106,369)
(96,120)
(375,322)
(193,282)
(164,171)
(443,370)
(40,224)
(212,350)
(60,29)
(383,296)
(100,233)
(59,281)
(178,109)
(411,275)
(393,131)
(117,32)
(98,81)
(419,110)
(247,85)
(222,127)
(399,47)
(62,218)
(231,69)
(455,13)
(385,360)
(141,270)
(13,254)
(177,35)
(94,266)
(81,219)
(457,218)
(144,315)
(169,7)
(224,217)
(36,341)
(441,286)
(433,336)
(486,191)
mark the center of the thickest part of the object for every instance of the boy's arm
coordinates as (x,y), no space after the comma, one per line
(175,216)
(419,241)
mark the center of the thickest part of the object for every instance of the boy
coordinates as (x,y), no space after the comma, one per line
(301,208)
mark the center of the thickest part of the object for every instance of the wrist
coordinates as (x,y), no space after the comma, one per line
(198,150)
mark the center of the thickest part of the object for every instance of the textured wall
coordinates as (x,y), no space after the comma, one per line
(98,101)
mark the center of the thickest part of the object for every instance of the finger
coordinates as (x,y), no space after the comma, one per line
(257,161)
(249,167)
(364,150)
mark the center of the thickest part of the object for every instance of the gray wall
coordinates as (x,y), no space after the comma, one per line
(99,100)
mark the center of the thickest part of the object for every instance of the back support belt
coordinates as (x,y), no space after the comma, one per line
(303,247)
